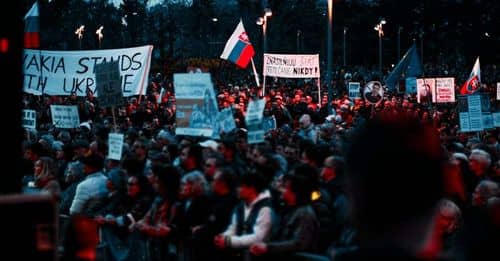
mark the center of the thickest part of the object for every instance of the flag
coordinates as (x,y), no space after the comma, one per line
(474,82)
(238,48)
(409,66)
(32,28)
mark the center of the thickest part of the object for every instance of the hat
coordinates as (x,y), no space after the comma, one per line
(94,161)
(117,178)
(210,144)
(85,125)
(160,156)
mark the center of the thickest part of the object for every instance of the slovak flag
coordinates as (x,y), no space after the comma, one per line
(474,82)
(238,48)
(32,28)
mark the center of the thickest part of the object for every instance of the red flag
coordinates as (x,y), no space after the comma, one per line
(474,82)
(32,28)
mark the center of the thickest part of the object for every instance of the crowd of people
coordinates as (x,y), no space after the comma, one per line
(341,181)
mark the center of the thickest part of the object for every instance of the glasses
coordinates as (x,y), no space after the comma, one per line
(209,165)
(132,183)
(139,146)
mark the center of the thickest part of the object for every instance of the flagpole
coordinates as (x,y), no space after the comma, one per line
(255,72)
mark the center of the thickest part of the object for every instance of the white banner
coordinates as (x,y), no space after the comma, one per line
(426,90)
(197,110)
(115,146)
(68,72)
(291,65)
(64,116)
(445,90)
(29,119)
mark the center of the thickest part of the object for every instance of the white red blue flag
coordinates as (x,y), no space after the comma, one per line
(238,48)
(32,28)
(474,82)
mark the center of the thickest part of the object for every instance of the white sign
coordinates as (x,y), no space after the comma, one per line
(445,90)
(197,110)
(108,83)
(488,120)
(269,123)
(115,146)
(411,85)
(498,90)
(29,119)
(253,120)
(291,65)
(354,90)
(72,72)
(426,89)
(65,117)
(225,120)
(475,115)
(373,92)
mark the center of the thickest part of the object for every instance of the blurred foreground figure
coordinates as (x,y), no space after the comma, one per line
(394,172)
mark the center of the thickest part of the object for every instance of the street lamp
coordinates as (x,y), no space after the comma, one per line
(344,46)
(379,29)
(79,33)
(329,56)
(263,22)
(399,42)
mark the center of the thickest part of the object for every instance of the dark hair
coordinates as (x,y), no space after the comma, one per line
(169,178)
(228,176)
(394,171)
(301,186)
(254,180)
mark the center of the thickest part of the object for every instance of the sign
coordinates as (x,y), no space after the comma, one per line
(64,116)
(225,121)
(115,146)
(487,118)
(411,85)
(498,90)
(269,123)
(426,90)
(253,121)
(29,119)
(73,72)
(354,90)
(373,92)
(496,119)
(445,90)
(196,112)
(108,83)
(291,65)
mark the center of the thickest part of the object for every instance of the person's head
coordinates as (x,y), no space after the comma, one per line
(224,181)
(74,172)
(297,189)
(394,173)
(44,168)
(92,163)
(167,181)
(448,216)
(193,185)
(212,162)
(479,162)
(251,184)
(333,166)
(483,191)
(305,121)
(191,157)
